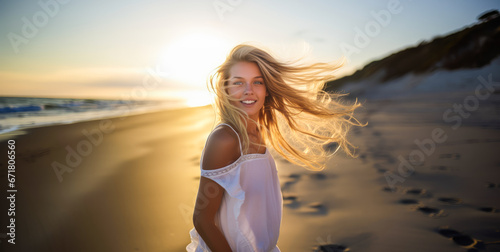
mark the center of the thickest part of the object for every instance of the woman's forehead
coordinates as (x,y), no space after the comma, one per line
(245,70)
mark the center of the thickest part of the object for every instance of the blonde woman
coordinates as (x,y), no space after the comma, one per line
(261,103)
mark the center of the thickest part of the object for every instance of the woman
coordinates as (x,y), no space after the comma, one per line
(261,103)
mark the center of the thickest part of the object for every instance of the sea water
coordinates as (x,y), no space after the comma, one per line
(26,112)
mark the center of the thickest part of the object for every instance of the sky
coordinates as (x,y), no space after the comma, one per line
(166,49)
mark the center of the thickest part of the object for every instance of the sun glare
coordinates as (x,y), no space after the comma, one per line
(197,99)
(190,59)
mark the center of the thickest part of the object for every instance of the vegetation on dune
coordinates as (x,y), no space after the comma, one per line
(471,47)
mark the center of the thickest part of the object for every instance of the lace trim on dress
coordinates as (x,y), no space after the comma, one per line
(227,169)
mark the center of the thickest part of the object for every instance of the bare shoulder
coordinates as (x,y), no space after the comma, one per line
(222,149)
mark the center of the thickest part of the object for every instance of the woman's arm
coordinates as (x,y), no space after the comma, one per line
(207,204)
(222,149)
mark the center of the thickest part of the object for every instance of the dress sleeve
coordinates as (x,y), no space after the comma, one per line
(227,177)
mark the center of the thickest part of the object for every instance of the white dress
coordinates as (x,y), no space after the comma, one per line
(251,208)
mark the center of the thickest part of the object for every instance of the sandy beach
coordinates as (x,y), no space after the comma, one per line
(129,184)
(448,203)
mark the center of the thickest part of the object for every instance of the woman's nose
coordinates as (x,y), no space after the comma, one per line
(248,89)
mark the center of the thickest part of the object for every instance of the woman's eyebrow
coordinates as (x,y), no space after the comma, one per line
(256,77)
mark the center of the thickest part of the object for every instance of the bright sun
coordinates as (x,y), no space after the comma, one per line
(189,60)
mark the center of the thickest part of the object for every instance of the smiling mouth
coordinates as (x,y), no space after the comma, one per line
(249,101)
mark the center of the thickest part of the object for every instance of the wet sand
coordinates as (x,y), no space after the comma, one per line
(133,192)
(134,188)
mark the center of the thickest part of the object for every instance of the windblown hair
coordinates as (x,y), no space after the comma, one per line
(299,119)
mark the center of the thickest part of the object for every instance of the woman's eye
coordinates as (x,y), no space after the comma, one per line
(238,83)
(259,82)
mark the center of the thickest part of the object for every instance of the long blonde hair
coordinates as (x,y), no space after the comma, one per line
(298,118)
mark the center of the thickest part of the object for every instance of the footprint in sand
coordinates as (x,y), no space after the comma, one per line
(380,168)
(430,211)
(458,201)
(415,191)
(289,181)
(290,198)
(488,209)
(448,232)
(461,239)
(318,175)
(390,189)
(408,201)
(332,248)
(291,201)
(418,192)
(363,157)
(449,200)
(316,208)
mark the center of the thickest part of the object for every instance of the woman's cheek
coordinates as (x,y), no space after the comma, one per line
(233,92)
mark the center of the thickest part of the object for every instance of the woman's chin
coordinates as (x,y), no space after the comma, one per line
(252,113)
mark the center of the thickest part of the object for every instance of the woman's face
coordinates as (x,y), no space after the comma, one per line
(247,86)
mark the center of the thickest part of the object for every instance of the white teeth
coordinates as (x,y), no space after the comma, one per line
(248,102)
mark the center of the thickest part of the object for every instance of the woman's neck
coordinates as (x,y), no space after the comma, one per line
(252,128)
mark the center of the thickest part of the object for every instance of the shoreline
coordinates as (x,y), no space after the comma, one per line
(25,130)
(28,112)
